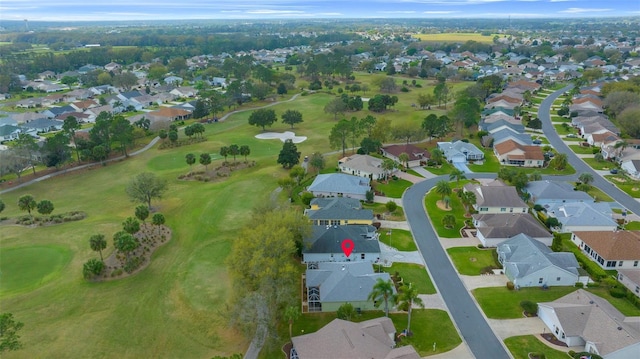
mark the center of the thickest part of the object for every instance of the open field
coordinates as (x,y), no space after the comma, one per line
(456,37)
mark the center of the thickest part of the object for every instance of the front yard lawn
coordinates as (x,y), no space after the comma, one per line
(490,164)
(471,260)
(629,186)
(399,239)
(415,274)
(436,214)
(564,130)
(602,165)
(622,304)
(394,188)
(444,169)
(502,303)
(582,150)
(521,346)
(381,209)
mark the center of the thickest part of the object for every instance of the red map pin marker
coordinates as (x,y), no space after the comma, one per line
(347,247)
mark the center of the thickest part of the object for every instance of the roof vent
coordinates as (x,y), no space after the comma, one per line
(590,302)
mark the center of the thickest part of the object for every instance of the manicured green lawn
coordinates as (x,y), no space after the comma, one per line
(444,169)
(471,260)
(502,303)
(562,130)
(629,186)
(415,274)
(604,165)
(632,226)
(581,150)
(521,346)
(26,268)
(599,195)
(436,214)
(379,208)
(490,164)
(412,172)
(394,188)
(399,239)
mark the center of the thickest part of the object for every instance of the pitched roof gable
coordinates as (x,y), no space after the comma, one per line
(613,245)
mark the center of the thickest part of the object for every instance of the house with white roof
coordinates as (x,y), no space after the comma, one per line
(496,197)
(460,152)
(530,263)
(340,185)
(582,216)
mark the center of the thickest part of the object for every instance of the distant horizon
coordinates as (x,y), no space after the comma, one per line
(199,10)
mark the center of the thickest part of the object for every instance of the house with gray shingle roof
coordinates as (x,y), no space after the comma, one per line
(586,320)
(374,338)
(340,185)
(325,244)
(416,154)
(331,284)
(493,229)
(530,263)
(338,211)
(9,132)
(632,168)
(43,125)
(547,192)
(582,216)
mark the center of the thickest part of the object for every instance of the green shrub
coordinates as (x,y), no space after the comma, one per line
(510,285)
(617,292)
(529,307)
(579,285)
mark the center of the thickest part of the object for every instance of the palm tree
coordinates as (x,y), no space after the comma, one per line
(224,152)
(406,299)
(404,159)
(388,166)
(449,221)
(468,199)
(458,175)
(382,290)
(586,178)
(560,161)
(27,203)
(437,156)
(443,188)
(292,313)
(98,243)
(245,151)
(621,146)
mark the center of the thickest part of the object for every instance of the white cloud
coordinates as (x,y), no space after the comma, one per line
(439,12)
(274,12)
(580,10)
(396,12)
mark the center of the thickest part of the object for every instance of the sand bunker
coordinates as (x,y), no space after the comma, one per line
(287,135)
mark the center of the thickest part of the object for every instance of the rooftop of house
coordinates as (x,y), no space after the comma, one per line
(509,224)
(595,320)
(414,152)
(582,213)
(557,191)
(364,163)
(344,281)
(340,183)
(338,208)
(528,152)
(496,196)
(343,339)
(328,239)
(613,245)
(525,255)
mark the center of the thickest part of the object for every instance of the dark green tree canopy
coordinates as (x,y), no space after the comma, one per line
(262,118)
(289,155)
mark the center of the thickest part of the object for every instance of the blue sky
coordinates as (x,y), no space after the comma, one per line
(74,10)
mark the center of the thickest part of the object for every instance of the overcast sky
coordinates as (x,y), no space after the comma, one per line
(83,10)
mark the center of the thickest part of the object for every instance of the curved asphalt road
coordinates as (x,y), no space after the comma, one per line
(577,163)
(466,315)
